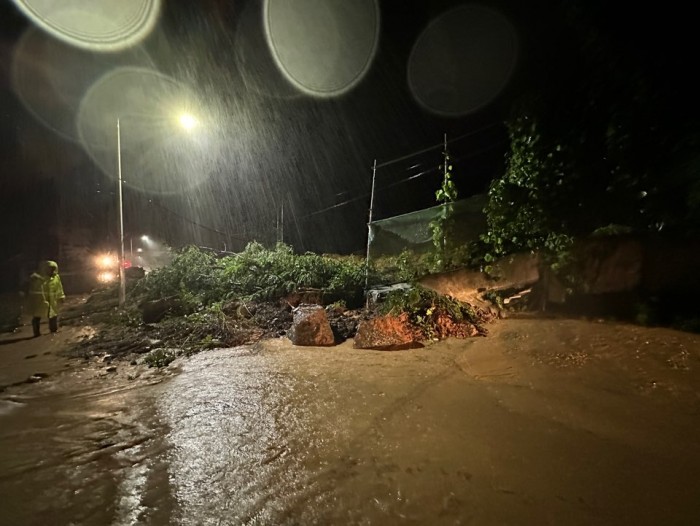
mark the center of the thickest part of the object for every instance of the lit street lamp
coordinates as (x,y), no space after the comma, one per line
(144,238)
(188,122)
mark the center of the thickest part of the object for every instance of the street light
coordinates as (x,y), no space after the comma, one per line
(143,238)
(188,122)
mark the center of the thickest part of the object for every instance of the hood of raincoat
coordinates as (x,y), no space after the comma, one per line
(46,266)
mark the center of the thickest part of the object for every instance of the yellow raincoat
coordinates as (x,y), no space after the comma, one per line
(45,291)
(53,288)
(37,304)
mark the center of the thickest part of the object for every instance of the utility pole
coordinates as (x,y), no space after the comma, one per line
(369,226)
(122,281)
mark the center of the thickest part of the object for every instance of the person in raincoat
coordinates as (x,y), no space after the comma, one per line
(45,296)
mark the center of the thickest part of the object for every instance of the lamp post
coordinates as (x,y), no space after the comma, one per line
(122,281)
(188,122)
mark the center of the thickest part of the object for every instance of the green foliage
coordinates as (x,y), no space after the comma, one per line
(199,279)
(526,207)
(410,266)
(596,150)
(260,274)
(407,267)
(443,226)
(159,358)
(194,276)
(424,306)
(447,193)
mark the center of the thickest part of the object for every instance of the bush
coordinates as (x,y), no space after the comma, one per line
(199,279)
(260,274)
(195,277)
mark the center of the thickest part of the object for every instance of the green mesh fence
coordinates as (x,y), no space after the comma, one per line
(412,231)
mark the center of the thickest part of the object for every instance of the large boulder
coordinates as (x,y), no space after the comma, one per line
(310,327)
(386,333)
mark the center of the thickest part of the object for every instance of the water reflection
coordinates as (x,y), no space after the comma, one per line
(235,449)
(82,451)
(510,429)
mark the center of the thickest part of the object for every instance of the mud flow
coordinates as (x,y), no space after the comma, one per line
(541,422)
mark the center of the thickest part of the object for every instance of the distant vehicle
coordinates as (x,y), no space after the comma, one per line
(107,266)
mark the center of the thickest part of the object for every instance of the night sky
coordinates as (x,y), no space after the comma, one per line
(266,144)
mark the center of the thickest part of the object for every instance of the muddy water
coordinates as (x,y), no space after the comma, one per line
(85,450)
(543,422)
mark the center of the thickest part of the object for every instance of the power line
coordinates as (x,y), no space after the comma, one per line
(196,223)
(396,183)
(435,147)
(357,198)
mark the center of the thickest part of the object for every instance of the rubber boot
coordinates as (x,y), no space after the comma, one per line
(35,326)
(53,324)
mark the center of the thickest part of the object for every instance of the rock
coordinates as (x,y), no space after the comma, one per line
(386,333)
(310,327)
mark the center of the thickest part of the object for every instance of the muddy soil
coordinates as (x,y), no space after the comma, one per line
(543,421)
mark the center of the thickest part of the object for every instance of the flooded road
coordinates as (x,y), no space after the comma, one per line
(541,422)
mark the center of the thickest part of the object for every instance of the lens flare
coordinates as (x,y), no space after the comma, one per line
(323,48)
(106,261)
(96,25)
(106,277)
(157,155)
(462,61)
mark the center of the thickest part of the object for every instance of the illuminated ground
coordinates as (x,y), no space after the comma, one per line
(544,421)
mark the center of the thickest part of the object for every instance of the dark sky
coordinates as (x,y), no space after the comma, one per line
(267,147)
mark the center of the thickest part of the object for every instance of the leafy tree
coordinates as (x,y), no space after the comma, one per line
(595,148)
(526,206)
(443,225)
